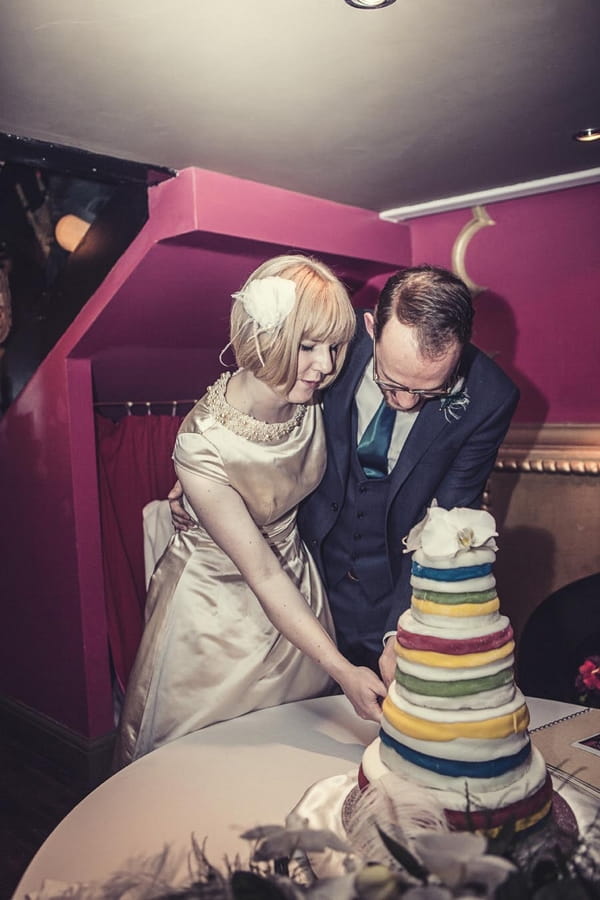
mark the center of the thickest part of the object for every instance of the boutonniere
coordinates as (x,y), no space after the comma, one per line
(454,405)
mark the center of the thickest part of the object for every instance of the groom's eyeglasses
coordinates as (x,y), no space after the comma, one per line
(425,393)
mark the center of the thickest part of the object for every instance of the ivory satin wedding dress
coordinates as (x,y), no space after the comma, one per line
(208,651)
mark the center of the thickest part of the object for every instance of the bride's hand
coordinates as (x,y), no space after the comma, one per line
(365,691)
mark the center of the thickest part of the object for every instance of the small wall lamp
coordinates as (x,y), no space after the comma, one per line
(369,4)
(69,231)
(587,135)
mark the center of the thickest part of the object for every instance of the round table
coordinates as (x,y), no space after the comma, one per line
(213,784)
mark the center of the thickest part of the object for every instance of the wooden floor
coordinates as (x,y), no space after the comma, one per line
(34,797)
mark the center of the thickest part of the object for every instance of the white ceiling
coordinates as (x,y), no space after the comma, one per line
(421,100)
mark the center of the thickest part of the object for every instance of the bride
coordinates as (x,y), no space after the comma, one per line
(236,616)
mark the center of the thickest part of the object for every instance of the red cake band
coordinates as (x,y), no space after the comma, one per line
(524,813)
(411,641)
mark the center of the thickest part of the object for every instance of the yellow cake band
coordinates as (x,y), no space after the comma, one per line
(424,729)
(459,610)
(448,661)
(521,824)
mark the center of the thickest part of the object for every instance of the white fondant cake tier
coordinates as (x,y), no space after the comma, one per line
(473,556)
(463,749)
(486,793)
(465,623)
(483,583)
(481,700)
(434,673)
(451,628)
(440,715)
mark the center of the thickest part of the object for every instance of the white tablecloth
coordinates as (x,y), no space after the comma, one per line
(215,784)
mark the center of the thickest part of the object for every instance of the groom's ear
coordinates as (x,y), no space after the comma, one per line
(369,321)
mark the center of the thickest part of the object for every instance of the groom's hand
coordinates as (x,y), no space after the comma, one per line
(387,662)
(180,519)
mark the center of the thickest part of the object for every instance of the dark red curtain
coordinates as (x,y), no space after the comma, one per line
(135,466)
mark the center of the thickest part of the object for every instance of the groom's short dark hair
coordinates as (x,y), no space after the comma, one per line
(432,300)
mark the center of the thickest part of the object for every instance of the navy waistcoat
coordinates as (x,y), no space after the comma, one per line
(362,523)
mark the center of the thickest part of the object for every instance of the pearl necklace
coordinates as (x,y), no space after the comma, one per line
(244,425)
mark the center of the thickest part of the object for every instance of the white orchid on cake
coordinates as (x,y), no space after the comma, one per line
(444,533)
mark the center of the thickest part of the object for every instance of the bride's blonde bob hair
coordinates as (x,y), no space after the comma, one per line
(322,313)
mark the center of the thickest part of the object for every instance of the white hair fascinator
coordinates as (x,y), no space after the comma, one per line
(268,301)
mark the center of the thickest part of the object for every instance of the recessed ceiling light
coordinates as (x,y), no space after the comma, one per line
(586,135)
(369,4)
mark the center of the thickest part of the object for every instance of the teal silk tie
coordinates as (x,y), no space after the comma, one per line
(375,442)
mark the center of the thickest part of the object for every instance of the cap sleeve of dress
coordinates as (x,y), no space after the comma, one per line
(195,453)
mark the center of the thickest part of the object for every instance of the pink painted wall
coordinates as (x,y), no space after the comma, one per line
(51,657)
(153,327)
(540,314)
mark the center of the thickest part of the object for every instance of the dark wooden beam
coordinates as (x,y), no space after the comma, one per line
(79,163)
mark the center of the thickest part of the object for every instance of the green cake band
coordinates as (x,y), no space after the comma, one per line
(454,688)
(448,599)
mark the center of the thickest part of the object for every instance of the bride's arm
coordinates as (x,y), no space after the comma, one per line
(225,517)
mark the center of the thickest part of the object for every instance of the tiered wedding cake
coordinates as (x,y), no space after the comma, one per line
(454,720)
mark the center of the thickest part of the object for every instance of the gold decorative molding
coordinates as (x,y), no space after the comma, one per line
(480,220)
(558,448)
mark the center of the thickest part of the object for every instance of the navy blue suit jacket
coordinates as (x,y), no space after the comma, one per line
(443,458)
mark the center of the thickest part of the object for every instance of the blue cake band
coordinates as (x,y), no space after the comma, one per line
(457,768)
(460,574)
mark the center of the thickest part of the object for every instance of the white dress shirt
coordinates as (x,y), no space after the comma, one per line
(368,399)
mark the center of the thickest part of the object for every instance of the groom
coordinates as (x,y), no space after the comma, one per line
(441,410)
(418,413)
